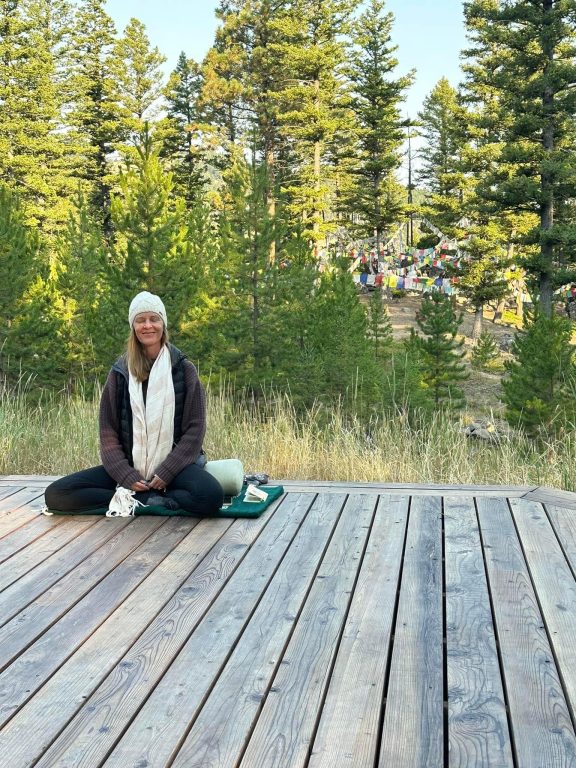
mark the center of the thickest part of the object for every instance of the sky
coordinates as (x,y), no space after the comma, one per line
(429,33)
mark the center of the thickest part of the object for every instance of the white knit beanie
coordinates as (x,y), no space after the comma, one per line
(146,302)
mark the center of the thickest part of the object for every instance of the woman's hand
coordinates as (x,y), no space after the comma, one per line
(157,483)
(140,486)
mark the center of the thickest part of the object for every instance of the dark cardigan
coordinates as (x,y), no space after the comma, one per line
(115,431)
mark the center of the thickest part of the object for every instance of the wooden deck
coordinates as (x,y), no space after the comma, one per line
(362,625)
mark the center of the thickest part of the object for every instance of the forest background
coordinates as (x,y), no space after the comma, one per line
(222,186)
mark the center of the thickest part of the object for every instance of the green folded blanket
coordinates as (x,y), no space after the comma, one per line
(237,507)
(240,508)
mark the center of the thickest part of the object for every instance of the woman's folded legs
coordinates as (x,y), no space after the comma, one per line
(91,488)
(194,490)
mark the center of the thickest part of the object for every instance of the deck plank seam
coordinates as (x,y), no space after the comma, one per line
(444,639)
(146,628)
(70,606)
(25,605)
(23,545)
(511,732)
(387,674)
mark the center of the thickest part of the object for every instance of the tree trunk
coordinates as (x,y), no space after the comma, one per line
(317,158)
(478,318)
(520,303)
(546,180)
(270,199)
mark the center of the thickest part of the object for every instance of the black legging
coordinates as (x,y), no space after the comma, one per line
(195,491)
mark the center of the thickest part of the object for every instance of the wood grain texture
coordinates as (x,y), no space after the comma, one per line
(348,733)
(36,581)
(31,530)
(554,582)
(477,720)
(18,510)
(542,728)
(417,488)
(276,642)
(160,726)
(269,653)
(414,714)
(55,540)
(71,686)
(18,633)
(111,707)
(35,665)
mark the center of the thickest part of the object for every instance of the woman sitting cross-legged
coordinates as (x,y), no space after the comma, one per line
(152,424)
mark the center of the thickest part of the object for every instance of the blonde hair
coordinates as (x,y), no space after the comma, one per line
(139,364)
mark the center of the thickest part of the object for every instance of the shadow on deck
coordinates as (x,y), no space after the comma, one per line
(353,624)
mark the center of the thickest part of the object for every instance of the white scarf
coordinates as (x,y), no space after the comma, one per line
(153,423)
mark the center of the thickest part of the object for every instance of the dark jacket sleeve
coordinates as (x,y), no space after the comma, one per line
(112,454)
(188,448)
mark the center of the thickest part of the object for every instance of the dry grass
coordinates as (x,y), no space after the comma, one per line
(59,435)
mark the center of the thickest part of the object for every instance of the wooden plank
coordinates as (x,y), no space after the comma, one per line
(414,719)
(29,479)
(555,587)
(25,627)
(18,509)
(542,730)
(156,733)
(31,530)
(477,721)
(299,673)
(20,594)
(31,669)
(404,489)
(8,490)
(71,685)
(349,727)
(56,538)
(563,520)
(559,498)
(21,498)
(134,671)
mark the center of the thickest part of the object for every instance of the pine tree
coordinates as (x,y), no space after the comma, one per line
(441,171)
(314,102)
(182,132)
(19,258)
(34,155)
(243,74)
(152,251)
(224,74)
(246,232)
(376,102)
(136,69)
(480,272)
(95,113)
(341,364)
(534,45)
(31,332)
(440,352)
(539,391)
(379,325)
(485,351)
(83,282)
